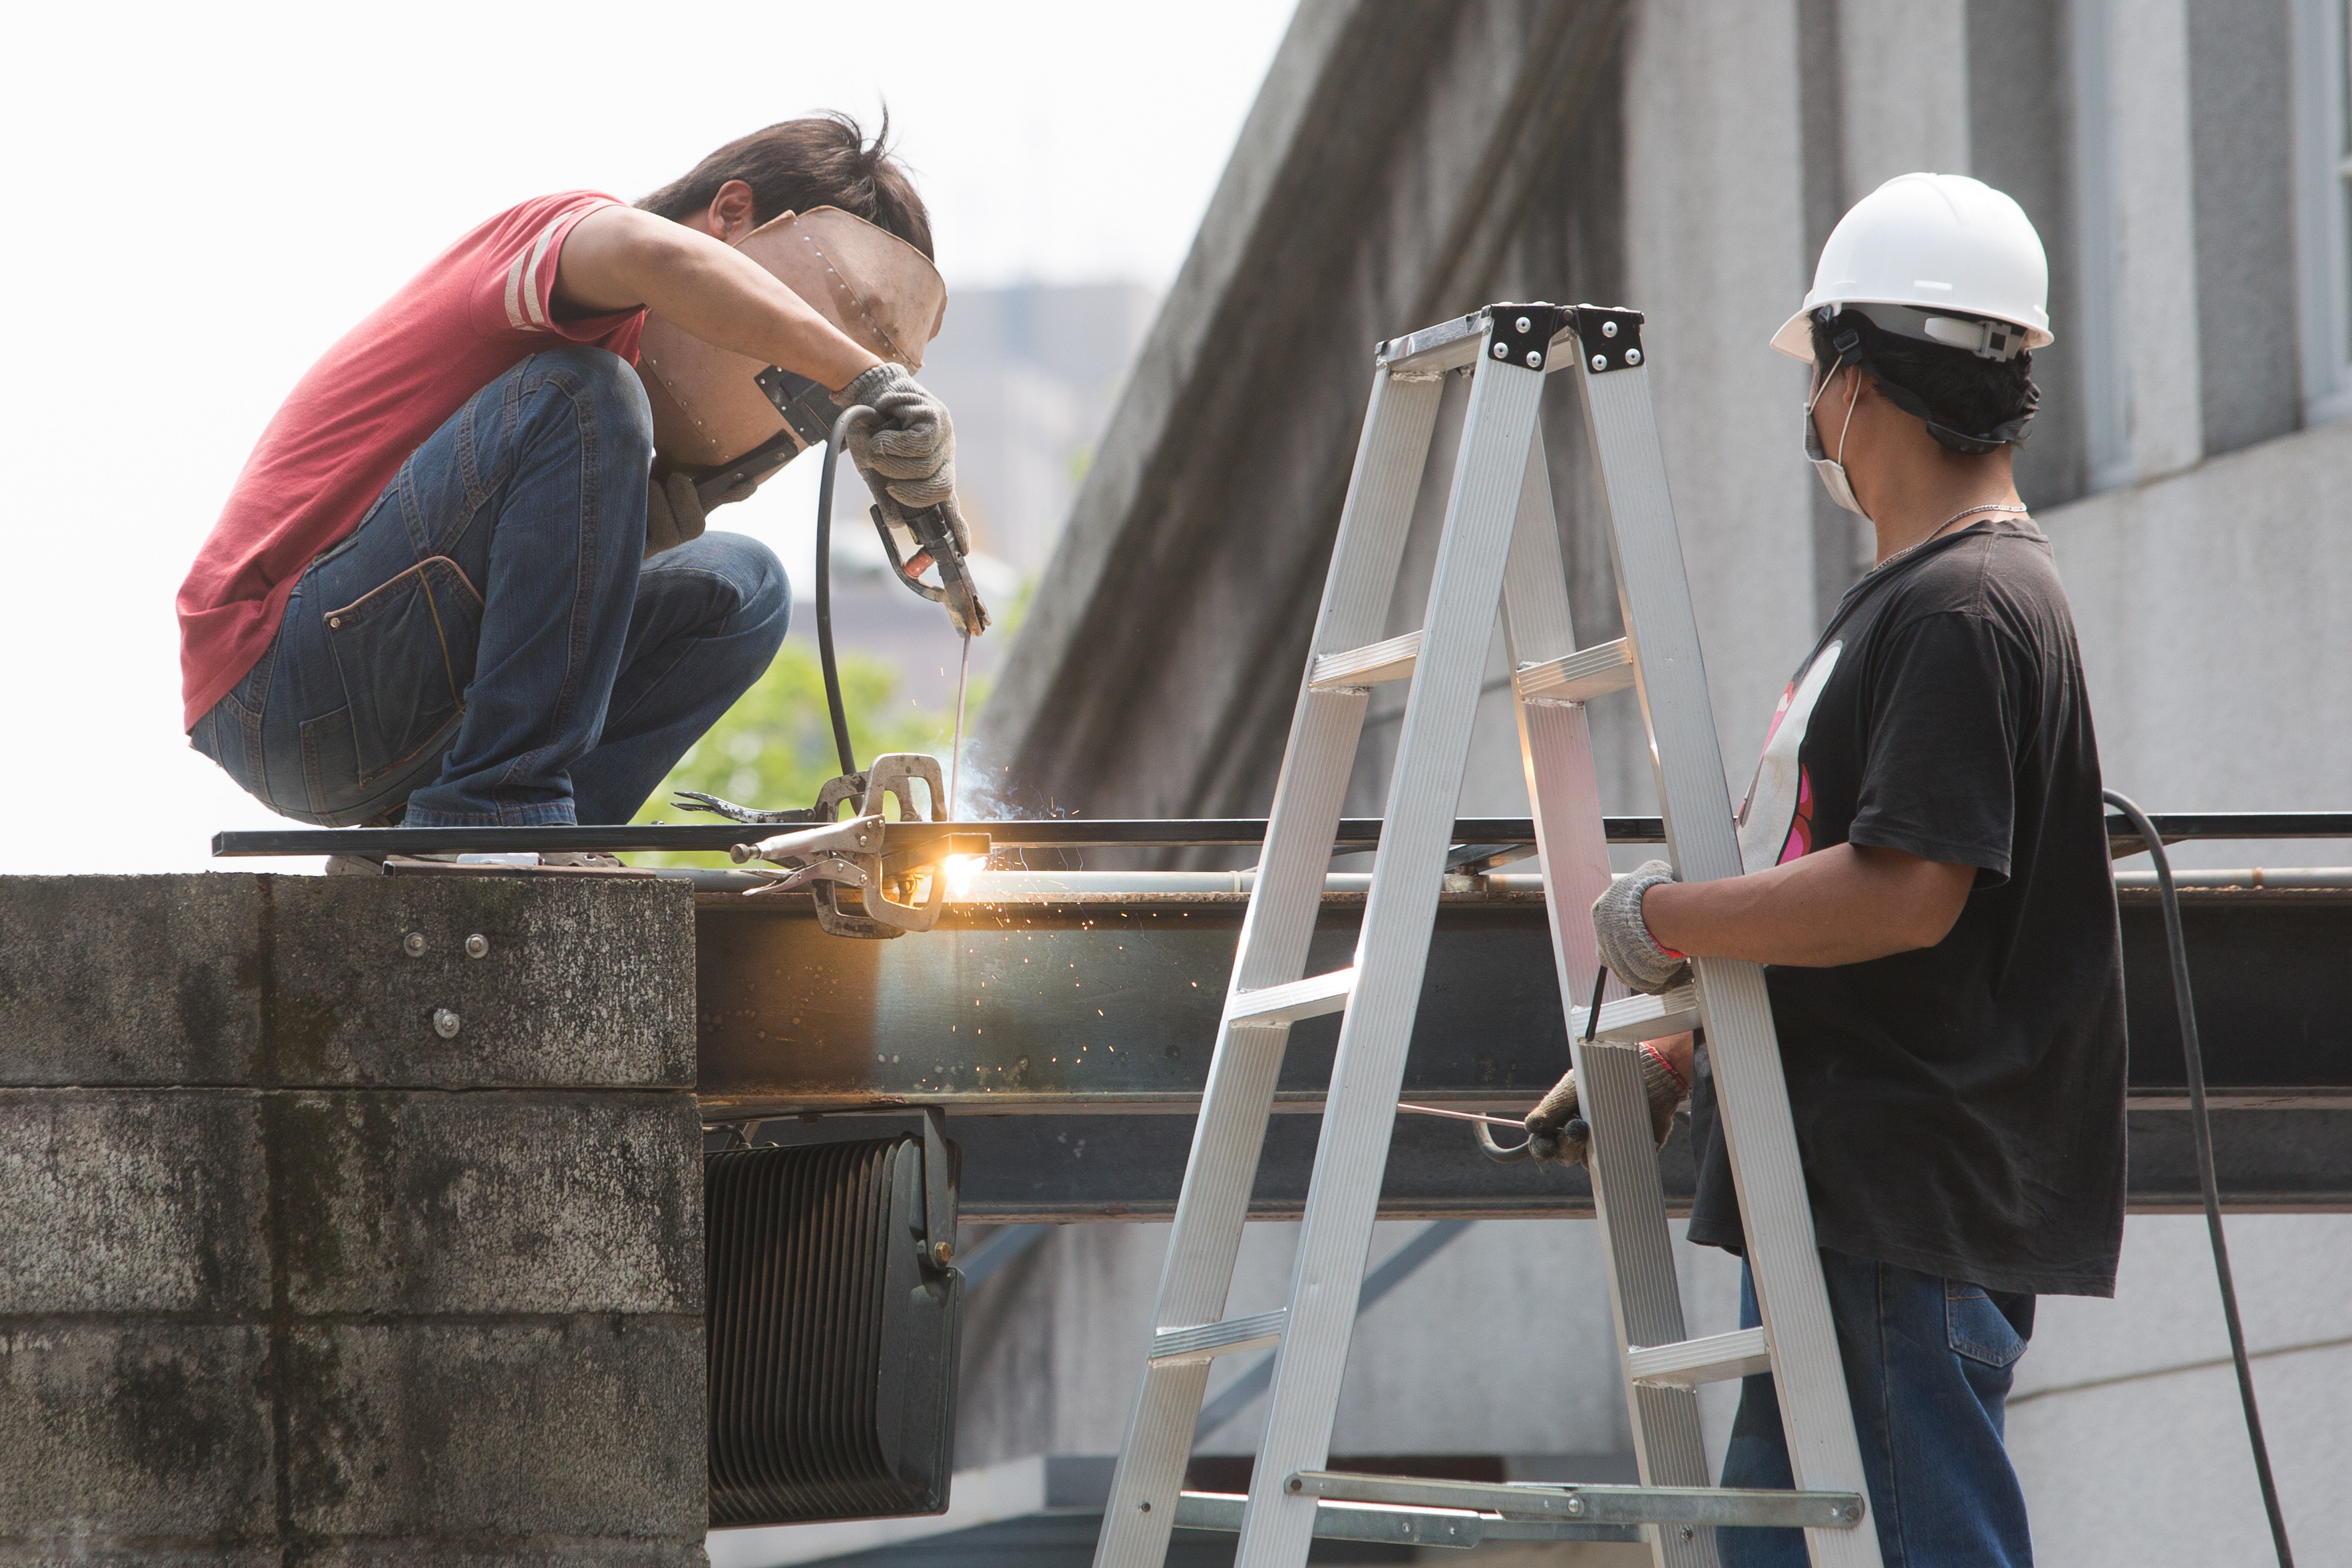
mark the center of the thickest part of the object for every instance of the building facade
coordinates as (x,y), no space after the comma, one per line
(2189,169)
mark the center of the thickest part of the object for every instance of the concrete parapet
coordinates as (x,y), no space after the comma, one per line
(288,1273)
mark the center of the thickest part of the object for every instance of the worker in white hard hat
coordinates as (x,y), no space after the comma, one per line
(464,579)
(1927,882)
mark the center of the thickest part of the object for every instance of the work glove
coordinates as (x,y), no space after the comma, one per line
(1557,1133)
(909,453)
(1631,954)
(675,514)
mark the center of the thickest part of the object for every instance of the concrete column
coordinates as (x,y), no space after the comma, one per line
(2144,380)
(288,1273)
(1715,246)
(1904,75)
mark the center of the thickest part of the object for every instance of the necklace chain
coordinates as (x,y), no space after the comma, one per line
(1939,528)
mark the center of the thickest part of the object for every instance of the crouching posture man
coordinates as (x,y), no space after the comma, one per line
(434,595)
(1927,884)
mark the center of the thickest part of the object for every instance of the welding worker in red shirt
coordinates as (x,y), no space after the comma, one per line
(430,598)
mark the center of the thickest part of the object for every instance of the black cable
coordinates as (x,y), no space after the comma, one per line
(2204,1129)
(834,445)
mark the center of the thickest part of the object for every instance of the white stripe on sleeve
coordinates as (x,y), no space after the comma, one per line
(514,293)
(531,273)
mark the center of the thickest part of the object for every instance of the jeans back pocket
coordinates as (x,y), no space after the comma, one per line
(1976,1327)
(404,651)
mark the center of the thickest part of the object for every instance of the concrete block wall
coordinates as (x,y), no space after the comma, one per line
(287,1275)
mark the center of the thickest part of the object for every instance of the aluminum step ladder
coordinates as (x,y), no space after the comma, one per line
(1499,543)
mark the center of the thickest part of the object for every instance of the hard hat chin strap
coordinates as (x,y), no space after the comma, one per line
(1853,350)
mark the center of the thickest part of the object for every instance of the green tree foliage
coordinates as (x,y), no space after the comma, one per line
(774,748)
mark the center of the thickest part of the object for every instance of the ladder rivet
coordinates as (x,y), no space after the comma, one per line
(478,946)
(1502,350)
(1599,363)
(414,944)
(1526,325)
(1609,328)
(1144,1506)
(1688,1531)
(445,1023)
(1633,356)
(1294,1485)
(1535,360)
(1575,1505)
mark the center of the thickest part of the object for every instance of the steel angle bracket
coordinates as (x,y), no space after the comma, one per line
(1611,339)
(942,1169)
(1521,334)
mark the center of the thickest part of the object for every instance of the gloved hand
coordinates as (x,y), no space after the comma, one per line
(675,513)
(908,455)
(1631,954)
(1557,1133)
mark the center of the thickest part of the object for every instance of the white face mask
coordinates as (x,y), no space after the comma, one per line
(1830,470)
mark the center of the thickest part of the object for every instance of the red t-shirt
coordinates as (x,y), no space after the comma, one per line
(481,307)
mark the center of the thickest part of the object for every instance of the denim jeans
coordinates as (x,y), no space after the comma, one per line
(486,648)
(1928,1366)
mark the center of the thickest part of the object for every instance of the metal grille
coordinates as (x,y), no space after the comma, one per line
(833,1347)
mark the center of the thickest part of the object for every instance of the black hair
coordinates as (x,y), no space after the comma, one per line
(800,165)
(1966,401)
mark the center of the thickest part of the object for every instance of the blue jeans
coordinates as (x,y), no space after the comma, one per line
(1927,1365)
(486,647)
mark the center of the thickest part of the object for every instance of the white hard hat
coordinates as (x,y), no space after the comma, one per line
(1958,258)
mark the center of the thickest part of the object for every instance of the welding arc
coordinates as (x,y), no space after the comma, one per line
(835,444)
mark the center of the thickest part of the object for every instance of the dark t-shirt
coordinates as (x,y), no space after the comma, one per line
(1959,1108)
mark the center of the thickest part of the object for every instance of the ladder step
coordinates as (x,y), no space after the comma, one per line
(1366,666)
(1637,1018)
(1598,1504)
(1718,1358)
(1175,1347)
(1580,677)
(1310,998)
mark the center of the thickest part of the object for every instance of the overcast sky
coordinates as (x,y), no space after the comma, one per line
(208,196)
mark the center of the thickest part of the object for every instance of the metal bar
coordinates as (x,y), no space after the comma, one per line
(1401,1526)
(1644,1295)
(1632,1020)
(1599,1505)
(1716,1359)
(1366,667)
(1311,997)
(1080,833)
(1049,1169)
(1432,748)
(1206,1342)
(1277,933)
(1576,677)
(1751,1090)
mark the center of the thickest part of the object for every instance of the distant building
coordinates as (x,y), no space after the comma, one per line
(1031,374)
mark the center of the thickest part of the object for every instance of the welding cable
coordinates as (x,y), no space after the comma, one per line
(835,444)
(1576,1128)
(2203,1128)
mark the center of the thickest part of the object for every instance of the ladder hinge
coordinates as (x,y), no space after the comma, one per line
(1611,339)
(1522,334)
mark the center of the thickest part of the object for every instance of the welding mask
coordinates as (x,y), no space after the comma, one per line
(713,420)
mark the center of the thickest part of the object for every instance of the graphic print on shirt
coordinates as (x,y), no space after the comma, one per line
(1776,821)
